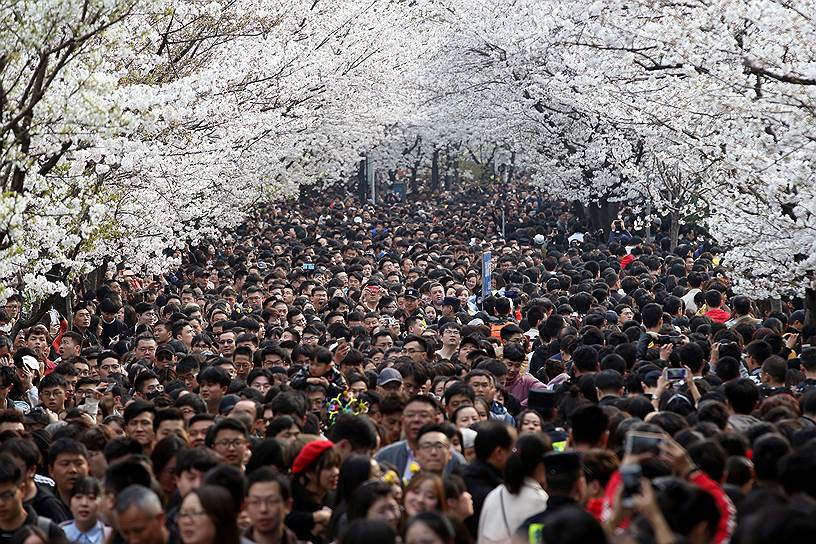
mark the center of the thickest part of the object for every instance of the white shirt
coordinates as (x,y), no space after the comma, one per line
(503,513)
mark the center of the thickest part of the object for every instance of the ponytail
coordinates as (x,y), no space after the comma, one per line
(527,454)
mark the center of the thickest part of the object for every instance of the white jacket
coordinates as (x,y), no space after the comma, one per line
(503,513)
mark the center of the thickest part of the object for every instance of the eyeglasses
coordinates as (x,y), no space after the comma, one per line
(225,444)
(438,446)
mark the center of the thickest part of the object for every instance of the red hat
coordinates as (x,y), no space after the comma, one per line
(309,454)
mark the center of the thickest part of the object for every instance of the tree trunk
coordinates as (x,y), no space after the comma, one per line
(810,305)
(598,215)
(362,181)
(435,171)
(674,231)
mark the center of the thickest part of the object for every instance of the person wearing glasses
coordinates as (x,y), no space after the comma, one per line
(230,439)
(268,501)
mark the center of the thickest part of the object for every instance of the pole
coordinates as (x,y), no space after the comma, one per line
(504,224)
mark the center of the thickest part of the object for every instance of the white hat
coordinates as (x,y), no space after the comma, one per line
(539,239)
(31,362)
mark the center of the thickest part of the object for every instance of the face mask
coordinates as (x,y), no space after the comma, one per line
(153,395)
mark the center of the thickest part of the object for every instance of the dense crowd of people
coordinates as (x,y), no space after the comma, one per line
(337,372)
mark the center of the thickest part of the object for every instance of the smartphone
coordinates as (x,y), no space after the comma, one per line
(630,477)
(642,442)
(308,266)
(676,374)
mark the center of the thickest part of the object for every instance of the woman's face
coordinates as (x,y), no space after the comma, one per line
(481,410)
(385,509)
(327,479)
(467,417)
(85,507)
(419,533)
(530,423)
(421,499)
(195,526)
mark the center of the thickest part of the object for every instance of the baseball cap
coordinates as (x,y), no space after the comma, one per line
(411,293)
(388,375)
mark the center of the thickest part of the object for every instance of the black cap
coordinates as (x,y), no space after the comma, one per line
(411,293)
(557,463)
(541,400)
(451,301)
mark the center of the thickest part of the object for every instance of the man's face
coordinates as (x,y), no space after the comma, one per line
(11,501)
(415,416)
(212,392)
(319,298)
(140,428)
(38,343)
(69,348)
(186,335)
(455,402)
(483,387)
(437,294)
(266,507)
(67,468)
(384,342)
(415,351)
(433,452)
(53,398)
(513,369)
(243,364)
(245,407)
(151,387)
(226,343)
(451,338)
(162,334)
(108,366)
(170,427)
(411,304)
(231,445)
(198,432)
(138,527)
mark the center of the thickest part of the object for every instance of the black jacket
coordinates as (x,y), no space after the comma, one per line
(480,478)
(54,532)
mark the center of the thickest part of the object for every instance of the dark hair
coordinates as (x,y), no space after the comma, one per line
(138,407)
(355,470)
(122,474)
(217,503)
(364,531)
(164,451)
(86,485)
(23,449)
(489,436)
(200,459)
(437,523)
(65,445)
(588,424)
(266,474)
(527,455)
(742,394)
(358,430)
(231,479)
(365,495)
(120,447)
(9,471)
(227,423)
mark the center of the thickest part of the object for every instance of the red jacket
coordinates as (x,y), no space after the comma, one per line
(718,315)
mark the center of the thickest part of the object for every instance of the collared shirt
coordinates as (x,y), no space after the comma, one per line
(411,466)
(95,535)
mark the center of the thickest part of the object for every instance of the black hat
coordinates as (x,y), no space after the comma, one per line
(165,348)
(411,293)
(558,463)
(541,400)
(451,301)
